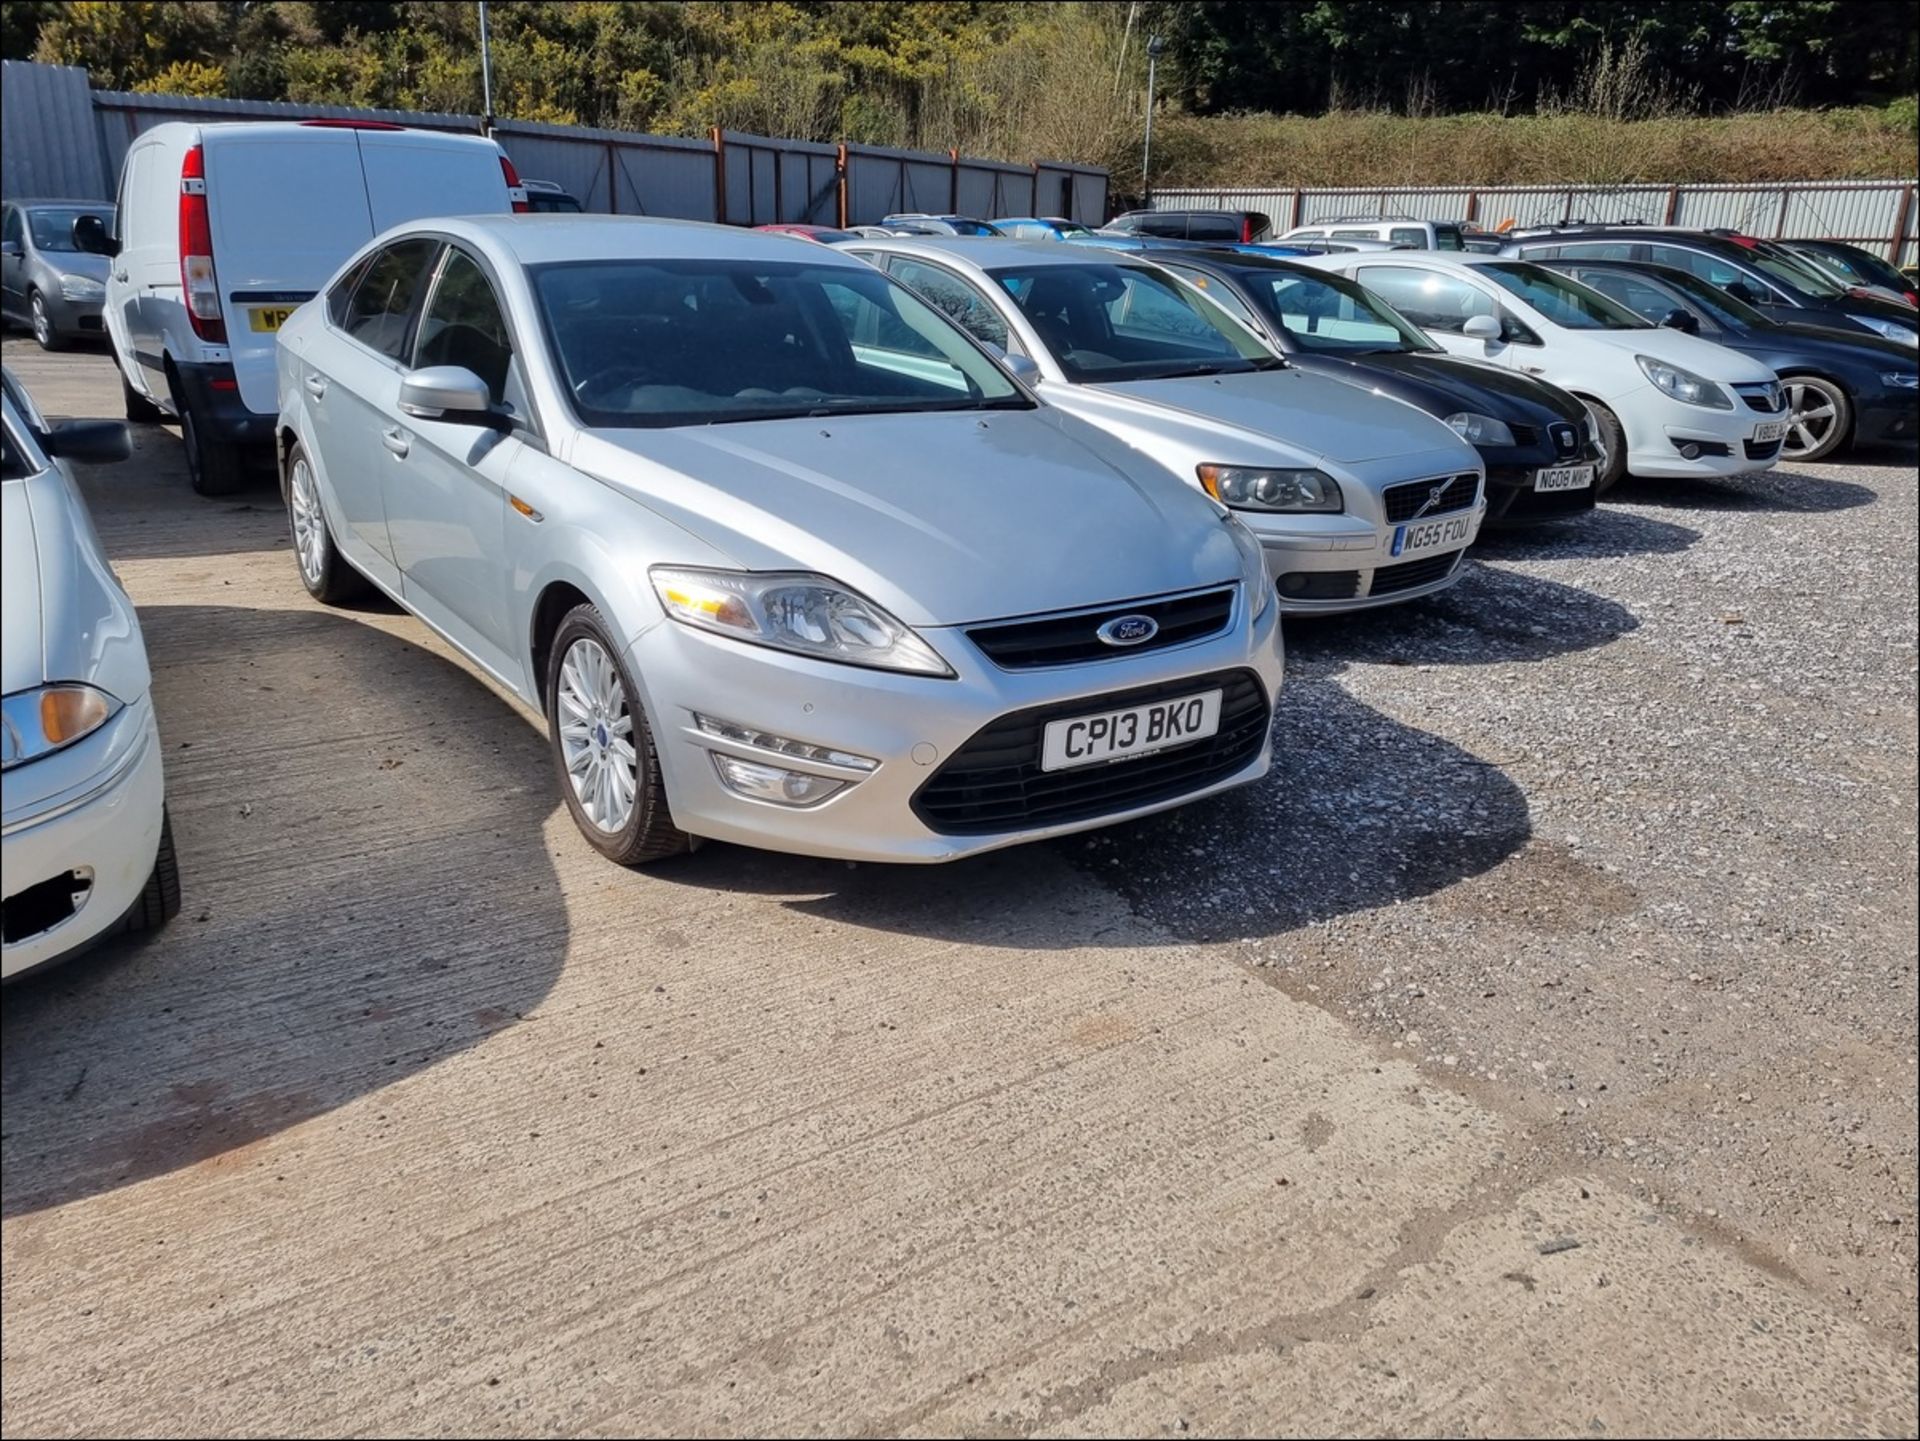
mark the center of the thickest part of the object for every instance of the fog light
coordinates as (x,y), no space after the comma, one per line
(766,741)
(1690,451)
(771,783)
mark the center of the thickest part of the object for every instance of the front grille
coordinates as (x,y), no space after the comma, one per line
(1524,434)
(1404,502)
(994,782)
(1320,584)
(1762,449)
(1414,573)
(1765,397)
(1067,639)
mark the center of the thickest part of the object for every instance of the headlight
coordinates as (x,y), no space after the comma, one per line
(1684,385)
(1247,487)
(794,611)
(1480,429)
(1253,566)
(1901,380)
(38,722)
(1891,329)
(82,287)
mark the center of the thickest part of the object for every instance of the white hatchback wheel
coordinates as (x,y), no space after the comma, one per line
(596,736)
(309,525)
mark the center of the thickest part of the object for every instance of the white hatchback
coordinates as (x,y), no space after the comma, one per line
(1666,403)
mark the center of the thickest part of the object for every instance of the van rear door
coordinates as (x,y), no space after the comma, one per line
(414,174)
(287,205)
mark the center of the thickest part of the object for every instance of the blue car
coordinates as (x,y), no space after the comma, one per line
(1044,227)
(1841,386)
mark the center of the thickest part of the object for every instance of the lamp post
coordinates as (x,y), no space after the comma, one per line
(486,73)
(1155,45)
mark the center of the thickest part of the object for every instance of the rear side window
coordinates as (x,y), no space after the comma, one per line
(1429,299)
(1596,250)
(463,326)
(1709,268)
(957,300)
(1408,235)
(382,303)
(1214,227)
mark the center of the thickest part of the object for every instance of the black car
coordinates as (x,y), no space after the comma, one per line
(1245,226)
(1861,267)
(1841,385)
(1537,441)
(1761,273)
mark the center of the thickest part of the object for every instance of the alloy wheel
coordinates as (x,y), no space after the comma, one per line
(42,325)
(309,525)
(596,736)
(1812,414)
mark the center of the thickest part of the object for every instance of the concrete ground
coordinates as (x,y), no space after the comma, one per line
(423,1119)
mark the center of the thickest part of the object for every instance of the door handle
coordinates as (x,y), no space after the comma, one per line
(317,386)
(396,441)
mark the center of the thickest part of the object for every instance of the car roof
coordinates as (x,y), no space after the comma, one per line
(984,251)
(548,239)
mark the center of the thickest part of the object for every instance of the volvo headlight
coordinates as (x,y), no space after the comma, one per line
(1246,487)
(34,723)
(1891,329)
(1684,385)
(1480,429)
(1253,567)
(794,611)
(82,287)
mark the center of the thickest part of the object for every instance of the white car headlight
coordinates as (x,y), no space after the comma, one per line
(1246,487)
(82,287)
(1684,385)
(1253,567)
(34,723)
(1891,329)
(794,611)
(1480,429)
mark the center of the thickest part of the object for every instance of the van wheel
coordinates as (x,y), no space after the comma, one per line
(323,571)
(160,898)
(140,410)
(603,750)
(43,330)
(213,468)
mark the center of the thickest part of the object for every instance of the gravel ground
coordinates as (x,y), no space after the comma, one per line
(1621,831)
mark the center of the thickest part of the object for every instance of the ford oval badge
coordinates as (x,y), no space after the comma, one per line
(1129,630)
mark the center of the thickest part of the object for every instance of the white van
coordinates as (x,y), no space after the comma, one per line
(221,230)
(1400,232)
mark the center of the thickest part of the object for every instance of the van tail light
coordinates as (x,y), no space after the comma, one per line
(198,284)
(516,193)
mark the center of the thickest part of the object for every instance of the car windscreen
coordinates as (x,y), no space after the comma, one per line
(53,228)
(1705,295)
(1106,322)
(1789,269)
(1567,304)
(1326,314)
(703,342)
(972,227)
(1864,268)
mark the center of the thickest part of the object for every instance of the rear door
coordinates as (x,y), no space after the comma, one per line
(287,205)
(414,174)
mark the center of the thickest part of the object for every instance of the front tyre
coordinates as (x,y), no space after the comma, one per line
(603,750)
(1613,440)
(43,330)
(1819,416)
(159,900)
(323,571)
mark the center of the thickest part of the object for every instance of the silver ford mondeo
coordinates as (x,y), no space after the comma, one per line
(783,556)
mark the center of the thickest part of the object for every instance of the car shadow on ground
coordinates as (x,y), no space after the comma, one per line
(1781,489)
(1491,616)
(1598,533)
(366,889)
(1359,811)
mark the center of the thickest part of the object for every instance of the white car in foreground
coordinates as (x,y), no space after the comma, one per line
(1358,500)
(86,846)
(1668,404)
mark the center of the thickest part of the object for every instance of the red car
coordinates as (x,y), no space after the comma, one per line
(825,234)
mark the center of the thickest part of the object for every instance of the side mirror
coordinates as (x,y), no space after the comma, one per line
(1022,369)
(90,235)
(9,247)
(451,393)
(1678,319)
(91,442)
(1481,327)
(1740,290)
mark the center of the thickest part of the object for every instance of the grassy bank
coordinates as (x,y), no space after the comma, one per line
(1362,149)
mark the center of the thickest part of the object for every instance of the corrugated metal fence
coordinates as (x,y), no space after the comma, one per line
(65,141)
(1879,214)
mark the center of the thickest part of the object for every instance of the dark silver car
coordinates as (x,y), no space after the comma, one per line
(46,282)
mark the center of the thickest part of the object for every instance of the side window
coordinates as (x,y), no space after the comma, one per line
(1429,299)
(1639,297)
(1408,235)
(1308,235)
(1167,227)
(1213,227)
(1542,252)
(954,298)
(880,339)
(1707,267)
(382,303)
(463,325)
(1598,250)
(1153,309)
(1220,295)
(342,290)
(13,229)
